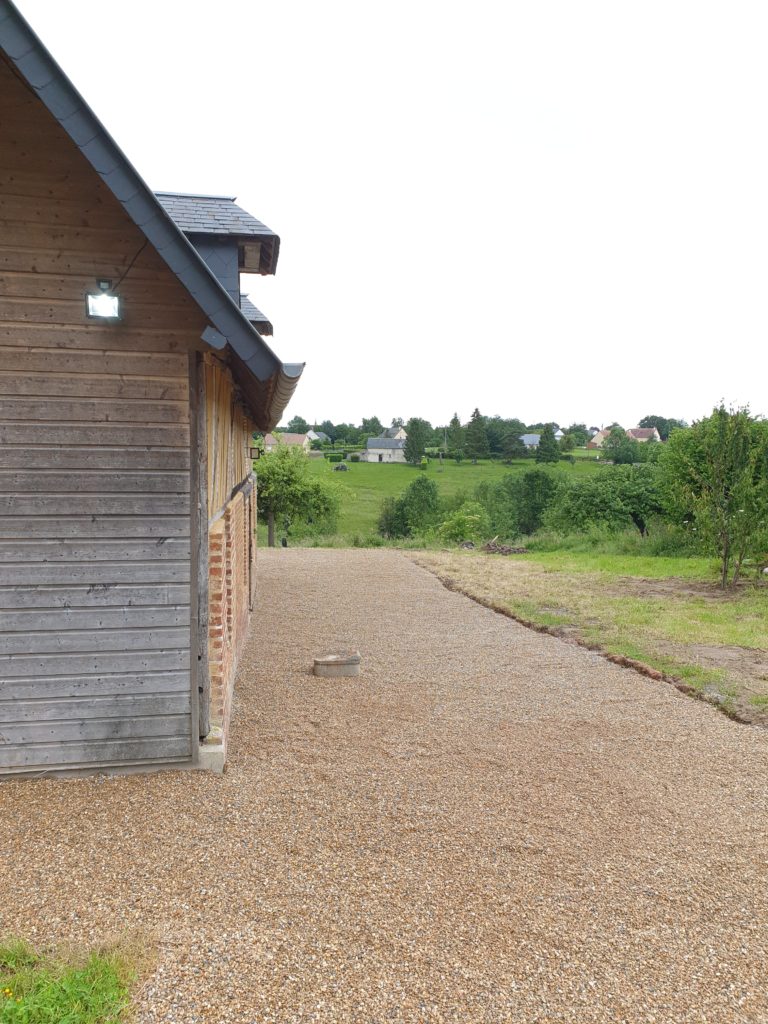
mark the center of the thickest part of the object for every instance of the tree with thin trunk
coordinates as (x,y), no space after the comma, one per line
(715,479)
(287,493)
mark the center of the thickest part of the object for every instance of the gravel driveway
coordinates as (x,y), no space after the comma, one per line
(488,825)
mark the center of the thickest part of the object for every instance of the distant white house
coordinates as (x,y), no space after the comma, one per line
(318,435)
(384,449)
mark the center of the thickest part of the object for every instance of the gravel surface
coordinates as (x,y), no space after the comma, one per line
(486,825)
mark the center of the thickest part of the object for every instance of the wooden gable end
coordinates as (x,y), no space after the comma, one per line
(97,469)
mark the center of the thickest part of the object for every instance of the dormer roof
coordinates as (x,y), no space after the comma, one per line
(221,217)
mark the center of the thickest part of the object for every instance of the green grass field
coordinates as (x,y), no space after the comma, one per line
(666,612)
(365,485)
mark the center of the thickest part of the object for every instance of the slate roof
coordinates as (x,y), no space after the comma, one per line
(266,383)
(530,440)
(220,216)
(384,442)
(211,215)
(254,314)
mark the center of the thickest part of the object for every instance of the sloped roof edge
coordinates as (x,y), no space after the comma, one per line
(275,381)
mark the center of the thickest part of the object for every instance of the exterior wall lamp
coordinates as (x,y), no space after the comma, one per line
(102,305)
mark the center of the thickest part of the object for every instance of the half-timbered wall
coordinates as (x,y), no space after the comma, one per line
(96,520)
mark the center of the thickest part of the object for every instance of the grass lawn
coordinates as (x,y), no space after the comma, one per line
(365,485)
(37,989)
(666,612)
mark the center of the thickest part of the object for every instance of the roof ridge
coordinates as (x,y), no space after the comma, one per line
(193,195)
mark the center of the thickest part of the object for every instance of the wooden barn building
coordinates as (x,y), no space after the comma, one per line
(132,375)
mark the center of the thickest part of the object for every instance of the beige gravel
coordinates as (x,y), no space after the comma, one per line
(487,825)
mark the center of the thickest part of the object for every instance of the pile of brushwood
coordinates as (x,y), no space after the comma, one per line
(494,548)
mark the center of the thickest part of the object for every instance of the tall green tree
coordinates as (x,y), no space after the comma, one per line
(287,492)
(298,425)
(715,477)
(477,446)
(514,447)
(456,436)
(579,433)
(620,448)
(548,450)
(371,427)
(418,432)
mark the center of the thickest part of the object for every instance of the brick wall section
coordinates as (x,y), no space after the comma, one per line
(229,550)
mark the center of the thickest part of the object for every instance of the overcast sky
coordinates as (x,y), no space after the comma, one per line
(548,209)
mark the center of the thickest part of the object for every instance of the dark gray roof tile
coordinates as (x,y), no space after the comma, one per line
(212,215)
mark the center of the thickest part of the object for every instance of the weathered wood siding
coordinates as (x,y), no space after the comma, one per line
(229,435)
(95,480)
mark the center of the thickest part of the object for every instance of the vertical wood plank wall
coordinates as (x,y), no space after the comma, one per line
(94,469)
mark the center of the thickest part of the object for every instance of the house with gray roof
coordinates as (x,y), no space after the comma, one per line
(384,449)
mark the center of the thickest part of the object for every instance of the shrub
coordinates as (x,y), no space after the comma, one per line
(470,522)
(414,512)
(335,457)
(618,497)
(354,457)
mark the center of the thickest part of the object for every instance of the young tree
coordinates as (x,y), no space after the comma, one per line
(456,437)
(567,443)
(477,446)
(286,491)
(298,425)
(548,450)
(418,432)
(716,475)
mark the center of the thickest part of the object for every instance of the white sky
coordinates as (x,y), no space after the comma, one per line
(549,209)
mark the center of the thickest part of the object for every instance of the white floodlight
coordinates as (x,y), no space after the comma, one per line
(101,304)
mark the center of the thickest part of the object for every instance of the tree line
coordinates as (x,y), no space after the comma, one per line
(706,490)
(483,437)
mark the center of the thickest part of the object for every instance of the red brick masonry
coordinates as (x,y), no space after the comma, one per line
(231,558)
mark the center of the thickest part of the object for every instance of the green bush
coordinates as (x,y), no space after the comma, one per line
(469,522)
(621,496)
(414,512)
(354,457)
(335,457)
